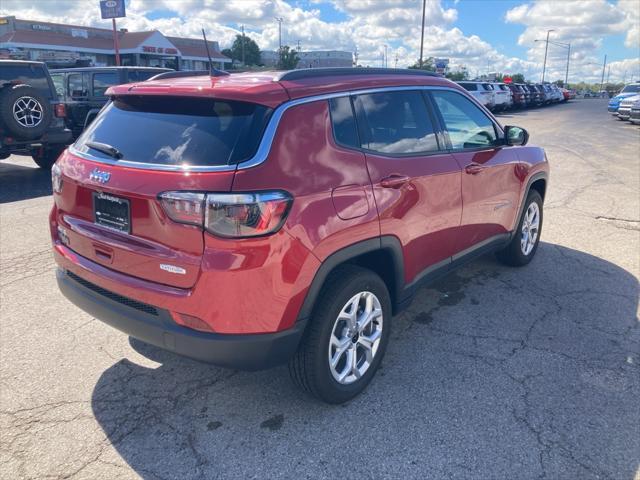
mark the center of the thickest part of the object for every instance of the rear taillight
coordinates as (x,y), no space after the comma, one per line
(246,214)
(184,207)
(229,215)
(60,110)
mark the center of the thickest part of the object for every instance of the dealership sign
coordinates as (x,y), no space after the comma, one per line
(441,65)
(112,8)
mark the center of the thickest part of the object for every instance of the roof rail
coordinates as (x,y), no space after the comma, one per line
(304,73)
(180,74)
(189,73)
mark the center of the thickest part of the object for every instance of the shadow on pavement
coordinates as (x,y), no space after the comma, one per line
(19,182)
(492,373)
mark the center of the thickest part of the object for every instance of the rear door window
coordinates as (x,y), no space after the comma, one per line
(102,81)
(177,131)
(471,87)
(78,85)
(58,83)
(466,124)
(395,123)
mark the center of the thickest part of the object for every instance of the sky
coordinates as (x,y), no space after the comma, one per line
(480,35)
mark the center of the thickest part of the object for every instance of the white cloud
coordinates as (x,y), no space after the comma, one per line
(582,23)
(370,24)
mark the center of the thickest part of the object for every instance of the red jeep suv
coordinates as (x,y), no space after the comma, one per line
(252,219)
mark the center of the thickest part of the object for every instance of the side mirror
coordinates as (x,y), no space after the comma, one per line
(515,135)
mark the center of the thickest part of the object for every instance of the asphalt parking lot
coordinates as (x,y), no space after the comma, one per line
(493,373)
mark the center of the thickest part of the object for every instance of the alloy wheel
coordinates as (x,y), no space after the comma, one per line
(530,228)
(28,112)
(355,338)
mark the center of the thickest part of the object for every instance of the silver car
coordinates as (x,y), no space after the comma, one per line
(624,111)
(482,91)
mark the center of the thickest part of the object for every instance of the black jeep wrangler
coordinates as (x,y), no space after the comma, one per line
(31,117)
(82,89)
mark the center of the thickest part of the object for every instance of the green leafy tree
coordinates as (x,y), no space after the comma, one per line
(288,58)
(458,76)
(427,64)
(251,50)
(518,78)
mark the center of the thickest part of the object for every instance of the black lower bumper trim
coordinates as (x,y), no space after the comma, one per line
(244,352)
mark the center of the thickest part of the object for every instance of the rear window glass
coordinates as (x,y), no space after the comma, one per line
(33,75)
(345,130)
(471,87)
(177,130)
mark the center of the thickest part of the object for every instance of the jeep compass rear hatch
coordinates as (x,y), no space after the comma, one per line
(130,196)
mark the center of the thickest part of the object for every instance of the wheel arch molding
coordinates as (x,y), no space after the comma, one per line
(382,255)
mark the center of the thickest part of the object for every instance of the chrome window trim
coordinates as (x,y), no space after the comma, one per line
(270,132)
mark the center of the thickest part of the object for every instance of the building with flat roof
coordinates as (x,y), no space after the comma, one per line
(62,45)
(312,59)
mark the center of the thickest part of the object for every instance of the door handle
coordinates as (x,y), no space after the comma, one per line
(474,168)
(394,181)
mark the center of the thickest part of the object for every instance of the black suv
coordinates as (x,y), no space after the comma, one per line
(82,89)
(31,117)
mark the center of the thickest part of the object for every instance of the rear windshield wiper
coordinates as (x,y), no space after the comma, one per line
(105,148)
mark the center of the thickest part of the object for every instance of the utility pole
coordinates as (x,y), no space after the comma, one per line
(386,58)
(298,45)
(608,73)
(395,64)
(280,20)
(424,7)
(355,56)
(242,41)
(546,48)
(116,46)
(604,65)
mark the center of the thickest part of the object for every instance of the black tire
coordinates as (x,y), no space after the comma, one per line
(9,96)
(309,367)
(513,254)
(46,157)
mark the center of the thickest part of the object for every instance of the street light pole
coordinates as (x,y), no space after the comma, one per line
(566,76)
(424,7)
(604,65)
(280,20)
(546,48)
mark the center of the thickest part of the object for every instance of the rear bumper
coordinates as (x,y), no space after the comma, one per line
(155,326)
(54,136)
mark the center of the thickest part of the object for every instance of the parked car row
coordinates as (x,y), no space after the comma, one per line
(626,105)
(497,96)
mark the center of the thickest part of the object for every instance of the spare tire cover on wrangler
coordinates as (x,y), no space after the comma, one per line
(24,112)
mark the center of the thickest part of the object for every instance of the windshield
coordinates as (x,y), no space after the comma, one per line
(177,130)
(631,88)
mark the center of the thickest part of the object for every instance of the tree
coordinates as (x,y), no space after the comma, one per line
(251,50)
(427,64)
(457,76)
(517,78)
(288,58)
